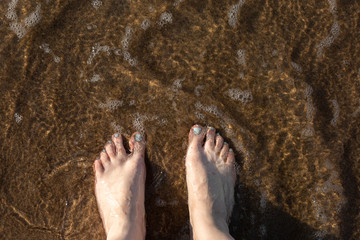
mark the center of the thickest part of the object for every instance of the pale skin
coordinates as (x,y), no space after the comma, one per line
(210,178)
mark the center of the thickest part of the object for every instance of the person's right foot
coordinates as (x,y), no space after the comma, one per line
(210,177)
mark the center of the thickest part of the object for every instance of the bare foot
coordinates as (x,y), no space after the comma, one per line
(119,188)
(210,177)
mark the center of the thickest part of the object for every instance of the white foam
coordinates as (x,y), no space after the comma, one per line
(117,128)
(18,117)
(96,4)
(126,55)
(177,2)
(145,24)
(296,66)
(262,230)
(336,112)
(308,91)
(91,27)
(263,201)
(132,61)
(96,49)
(242,75)
(18,29)
(57,59)
(117,52)
(200,116)
(308,131)
(198,89)
(111,104)
(334,33)
(11,13)
(234,12)
(165,18)
(128,32)
(241,57)
(125,46)
(45,47)
(138,122)
(162,122)
(242,96)
(319,235)
(320,212)
(151,8)
(34,17)
(333,8)
(95,78)
(178,83)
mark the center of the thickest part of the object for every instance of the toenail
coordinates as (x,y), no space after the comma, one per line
(211,128)
(225,143)
(197,130)
(230,150)
(104,150)
(97,157)
(116,135)
(110,141)
(138,137)
(218,134)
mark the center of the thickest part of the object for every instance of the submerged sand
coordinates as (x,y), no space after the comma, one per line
(280,80)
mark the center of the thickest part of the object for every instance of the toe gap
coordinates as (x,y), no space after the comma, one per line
(126,144)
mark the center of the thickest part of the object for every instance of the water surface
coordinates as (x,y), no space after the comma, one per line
(280,80)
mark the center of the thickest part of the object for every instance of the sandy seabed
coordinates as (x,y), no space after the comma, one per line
(280,80)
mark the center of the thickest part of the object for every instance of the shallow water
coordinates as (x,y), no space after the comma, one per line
(280,80)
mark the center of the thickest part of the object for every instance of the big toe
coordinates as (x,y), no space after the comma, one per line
(197,134)
(137,144)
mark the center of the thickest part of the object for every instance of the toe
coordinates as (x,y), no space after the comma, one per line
(219,143)
(224,151)
(98,167)
(137,144)
(120,150)
(105,160)
(230,160)
(210,138)
(197,134)
(110,149)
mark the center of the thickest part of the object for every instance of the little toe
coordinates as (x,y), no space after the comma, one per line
(219,143)
(224,151)
(137,144)
(105,160)
(98,167)
(120,150)
(210,138)
(110,149)
(197,134)
(230,160)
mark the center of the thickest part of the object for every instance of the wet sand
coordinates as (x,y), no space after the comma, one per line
(280,80)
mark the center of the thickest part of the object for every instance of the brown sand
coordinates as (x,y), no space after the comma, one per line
(279,79)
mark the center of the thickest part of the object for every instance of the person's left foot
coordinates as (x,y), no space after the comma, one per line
(120,188)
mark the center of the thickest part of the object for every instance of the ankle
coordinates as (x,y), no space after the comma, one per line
(127,228)
(206,226)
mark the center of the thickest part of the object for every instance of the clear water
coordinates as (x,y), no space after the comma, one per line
(280,80)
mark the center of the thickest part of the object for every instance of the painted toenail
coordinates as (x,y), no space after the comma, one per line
(230,150)
(104,150)
(97,158)
(218,134)
(116,135)
(138,137)
(225,143)
(211,128)
(110,141)
(197,130)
